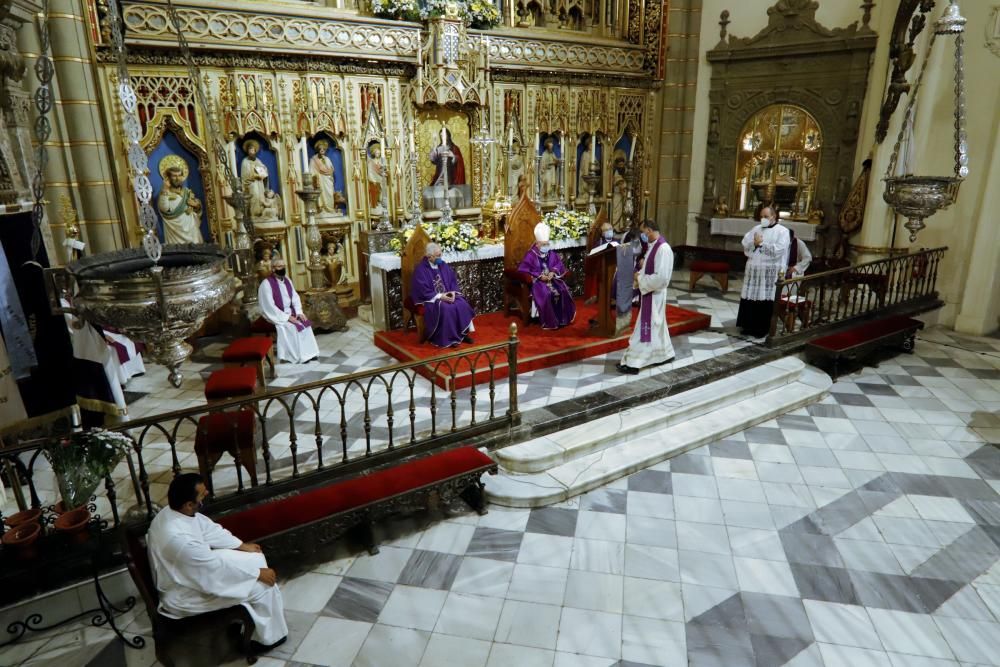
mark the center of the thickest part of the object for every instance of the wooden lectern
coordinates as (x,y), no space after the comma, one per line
(605,264)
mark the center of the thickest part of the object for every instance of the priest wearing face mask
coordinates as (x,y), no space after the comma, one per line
(447,315)
(199,566)
(650,342)
(280,305)
(596,242)
(766,247)
(551,301)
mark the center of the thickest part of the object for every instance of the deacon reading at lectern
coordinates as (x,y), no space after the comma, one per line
(447,315)
(551,300)
(280,305)
(650,342)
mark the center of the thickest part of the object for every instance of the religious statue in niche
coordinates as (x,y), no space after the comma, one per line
(334,263)
(263,266)
(588,156)
(376,178)
(548,171)
(619,190)
(331,201)
(446,151)
(179,208)
(265,204)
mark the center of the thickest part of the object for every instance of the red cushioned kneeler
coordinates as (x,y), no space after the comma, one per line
(718,270)
(231,382)
(260,326)
(226,432)
(279,515)
(255,350)
(866,332)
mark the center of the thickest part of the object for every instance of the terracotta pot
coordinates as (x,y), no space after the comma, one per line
(27,516)
(74,524)
(22,539)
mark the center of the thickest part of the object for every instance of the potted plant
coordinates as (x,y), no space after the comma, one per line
(22,539)
(483,14)
(80,463)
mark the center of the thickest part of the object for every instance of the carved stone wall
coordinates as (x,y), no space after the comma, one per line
(794,60)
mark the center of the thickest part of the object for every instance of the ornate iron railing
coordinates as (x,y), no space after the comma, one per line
(305,435)
(810,304)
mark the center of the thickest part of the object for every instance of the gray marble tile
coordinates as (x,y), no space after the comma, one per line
(730,449)
(810,549)
(651,481)
(358,599)
(553,521)
(776,615)
(692,464)
(430,569)
(857,400)
(765,436)
(828,584)
(495,544)
(606,500)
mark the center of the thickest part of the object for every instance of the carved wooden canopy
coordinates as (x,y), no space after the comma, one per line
(793,60)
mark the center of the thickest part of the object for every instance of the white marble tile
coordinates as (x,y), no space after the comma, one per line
(844,624)
(594,590)
(653,599)
(601,526)
(765,576)
(590,633)
(332,641)
(470,616)
(309,592)
(386,565)
(413,607)
(702,510)
(657,505)
(483,576)
(388,645)
(528,624)
(904,632)
(648,562)
(448,651)
(598,556)
(446,537)
(533,583)
(971,641)
(547,550)
(835,655)
(705,569)
(509,655)
(653,642)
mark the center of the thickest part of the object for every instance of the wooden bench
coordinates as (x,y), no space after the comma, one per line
(863,339)
(205,638)
(299,525)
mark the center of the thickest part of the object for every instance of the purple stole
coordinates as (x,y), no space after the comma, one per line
(646,305)
(279,302)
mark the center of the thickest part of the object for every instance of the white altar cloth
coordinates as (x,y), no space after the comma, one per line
(389,261)
(740,226)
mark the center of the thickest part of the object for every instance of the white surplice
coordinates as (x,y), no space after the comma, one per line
(294,346)
(659,348)
(197,569)
(90,345)
(766,264)
(133,365)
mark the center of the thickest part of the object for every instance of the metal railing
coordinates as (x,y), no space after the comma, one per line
(812,303)
(305,435)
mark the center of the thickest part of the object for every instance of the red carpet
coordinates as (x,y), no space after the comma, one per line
(537,348)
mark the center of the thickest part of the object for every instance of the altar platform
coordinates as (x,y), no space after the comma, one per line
(537,348)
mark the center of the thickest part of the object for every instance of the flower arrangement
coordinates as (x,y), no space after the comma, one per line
(433,8)
(483,14)
(83,460)
(456,237)
(567,224)
(401,10)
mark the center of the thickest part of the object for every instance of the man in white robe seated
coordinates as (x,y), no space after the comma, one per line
(280,305)
(650,342)
(199,566)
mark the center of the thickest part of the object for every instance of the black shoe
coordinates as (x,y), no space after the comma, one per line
(627,370)
(467,339)
(257,647)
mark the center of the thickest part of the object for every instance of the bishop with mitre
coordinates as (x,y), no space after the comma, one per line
(281,306)
(551,300)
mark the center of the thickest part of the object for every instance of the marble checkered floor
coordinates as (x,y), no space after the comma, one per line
(861,530)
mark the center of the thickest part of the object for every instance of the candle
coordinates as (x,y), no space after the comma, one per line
(420,66)
(444,136)
(510,135)
(304,149)
(631,149)
(412,148)
(232,157)
(593,145)
(538,148)
(562,145)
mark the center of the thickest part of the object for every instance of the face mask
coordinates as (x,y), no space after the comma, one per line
(280,273)
(644,237)
(544,250)
(609,234)
(438,261)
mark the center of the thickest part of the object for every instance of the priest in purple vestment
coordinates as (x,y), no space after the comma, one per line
(447,315)
(551,301)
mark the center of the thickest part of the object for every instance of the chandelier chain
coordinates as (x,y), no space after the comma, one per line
(44,71)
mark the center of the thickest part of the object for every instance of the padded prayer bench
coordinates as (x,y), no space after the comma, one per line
(195,640)
(231,383)
(230,433)
(297,526)
(863,339)
(718,270)
(254,350)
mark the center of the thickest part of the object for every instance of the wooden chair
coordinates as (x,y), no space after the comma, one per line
(196,640)
(519,239)
(413,253)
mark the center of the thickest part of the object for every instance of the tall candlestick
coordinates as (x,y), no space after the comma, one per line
(444,136)
(538,147)
(412,147)
(631,149)
(232,157)
(593,145)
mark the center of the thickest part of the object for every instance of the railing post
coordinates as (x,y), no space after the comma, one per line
(512,411)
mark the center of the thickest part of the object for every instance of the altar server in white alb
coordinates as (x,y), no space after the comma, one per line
(766,247)
(280,305)
(199,566)
(650,342)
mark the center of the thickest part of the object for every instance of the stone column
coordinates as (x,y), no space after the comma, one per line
(676,121)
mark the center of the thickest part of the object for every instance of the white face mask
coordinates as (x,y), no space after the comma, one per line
(609,234)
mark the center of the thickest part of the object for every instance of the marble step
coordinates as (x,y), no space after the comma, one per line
(624,456)
(545,452)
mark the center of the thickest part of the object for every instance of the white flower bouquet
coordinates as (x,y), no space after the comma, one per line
(567,224)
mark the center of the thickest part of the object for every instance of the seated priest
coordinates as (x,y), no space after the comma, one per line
(280,305)
(447,315)
(199,566)
(551,301)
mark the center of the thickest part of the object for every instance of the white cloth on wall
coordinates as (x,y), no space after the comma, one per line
(197,569)
(294,345)
(659,349)
(766,264)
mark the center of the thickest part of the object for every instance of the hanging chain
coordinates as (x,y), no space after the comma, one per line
(43,128)
(891,172)
(961,140)
(238,199)
(138,163)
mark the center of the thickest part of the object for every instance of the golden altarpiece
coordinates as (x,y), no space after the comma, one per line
(358,107)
